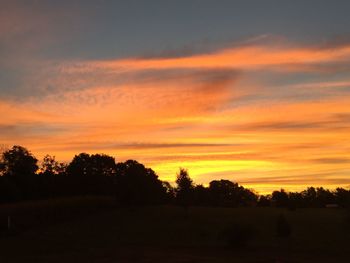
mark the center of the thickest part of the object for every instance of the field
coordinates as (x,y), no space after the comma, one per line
(96,230)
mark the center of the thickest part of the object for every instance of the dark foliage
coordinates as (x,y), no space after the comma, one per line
(237,235)
(185,188)
(230,194)
(131,183)
(283,228)
(280,198)
(342,197)
(264,201)
(311,197)
(138,185)
(201,195)
(91,174)
(18,162)
(19,166)
(9,192)
(50,167)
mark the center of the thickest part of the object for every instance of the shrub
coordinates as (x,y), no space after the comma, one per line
(9,192)
(283,228)
(237,235)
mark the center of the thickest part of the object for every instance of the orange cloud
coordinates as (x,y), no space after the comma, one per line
(242,57)
(218,114)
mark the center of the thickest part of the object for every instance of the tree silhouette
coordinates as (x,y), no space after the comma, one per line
(102,165)
(295,200)
(324,197)
(19,165)
(309,196)
(342,197)
(228,193)
(80,165)
(280,198)
(18,162)
(89,174)
(223,192)
(138,185)
(132,183)
(184,189)
(264,200)
(170,191)
(95,165)
(50,180)
(201,195)
(50,167)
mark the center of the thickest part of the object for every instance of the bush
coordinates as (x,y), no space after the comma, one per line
(237,235)
(346,220)
(9,192)
(283,228)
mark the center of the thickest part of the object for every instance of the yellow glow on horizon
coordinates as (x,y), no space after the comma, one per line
(199,168)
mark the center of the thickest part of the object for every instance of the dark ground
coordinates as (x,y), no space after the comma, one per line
(95,230)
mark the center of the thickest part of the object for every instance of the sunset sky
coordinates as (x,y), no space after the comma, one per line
(257,92)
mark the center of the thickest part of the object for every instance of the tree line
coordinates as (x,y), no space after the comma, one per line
(131,183)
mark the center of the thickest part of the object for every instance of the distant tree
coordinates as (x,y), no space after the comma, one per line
(50,167)
(184,189)
(324,197)
(80,165)
(50,181)
(2,164)
(228,193)
(295,200)
(103,165)
(342,197)
(280,198)
(92,165)
(91,174)
(170,191)
(264,200)
(201,195)
(223,193)
(138,185)
(18,162)
(309,196)
(247,197)
(20,166)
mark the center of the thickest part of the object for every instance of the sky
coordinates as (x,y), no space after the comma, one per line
(257,92)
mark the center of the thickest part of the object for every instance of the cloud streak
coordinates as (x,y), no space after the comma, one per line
(246,57)
(229,113)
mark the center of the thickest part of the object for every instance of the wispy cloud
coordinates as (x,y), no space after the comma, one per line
(226,113)
(246,57)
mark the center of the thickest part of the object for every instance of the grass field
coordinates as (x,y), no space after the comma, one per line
(94,230)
